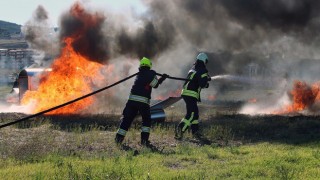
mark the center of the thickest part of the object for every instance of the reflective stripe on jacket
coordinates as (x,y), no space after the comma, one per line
(198,77)
(143,84)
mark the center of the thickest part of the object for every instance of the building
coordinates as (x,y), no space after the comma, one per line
(13,60)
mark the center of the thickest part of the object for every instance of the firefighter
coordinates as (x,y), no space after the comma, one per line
(198,79)
(138,101)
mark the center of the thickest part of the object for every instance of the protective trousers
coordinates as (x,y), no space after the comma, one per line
(192,115)
(130,111)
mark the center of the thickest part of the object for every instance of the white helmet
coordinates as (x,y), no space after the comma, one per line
(202,57)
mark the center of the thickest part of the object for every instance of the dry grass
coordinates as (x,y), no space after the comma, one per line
(91,134)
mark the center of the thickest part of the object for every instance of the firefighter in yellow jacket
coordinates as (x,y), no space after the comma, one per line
(139,100)
(197,79)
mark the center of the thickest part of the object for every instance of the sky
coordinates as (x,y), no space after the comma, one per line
(20,11)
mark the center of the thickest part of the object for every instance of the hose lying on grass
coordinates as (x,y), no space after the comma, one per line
(77,99)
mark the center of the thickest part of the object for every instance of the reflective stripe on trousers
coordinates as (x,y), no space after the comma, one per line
(187,122)
(142,99)
(145,129)
(122,132)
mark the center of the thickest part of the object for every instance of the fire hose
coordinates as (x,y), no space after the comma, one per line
(77,99)
(174,78)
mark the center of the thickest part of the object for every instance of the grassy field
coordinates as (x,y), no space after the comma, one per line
(236,147)
(4,91)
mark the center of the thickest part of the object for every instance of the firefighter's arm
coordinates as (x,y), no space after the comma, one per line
(163,77)
(203,81)
(156,82)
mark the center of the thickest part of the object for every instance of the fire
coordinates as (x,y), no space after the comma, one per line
(69,79)
(303,96)
(253,100)
(211,97)
(175,93)
(78,66)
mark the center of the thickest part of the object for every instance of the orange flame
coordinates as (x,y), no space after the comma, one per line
(303,97)
(211,97)
(69,79)
(175,93)
(253,100)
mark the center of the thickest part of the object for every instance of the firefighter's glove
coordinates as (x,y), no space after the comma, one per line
(209,78)
(163,77)
(207,85)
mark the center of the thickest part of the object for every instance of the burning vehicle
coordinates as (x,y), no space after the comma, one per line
(28,80)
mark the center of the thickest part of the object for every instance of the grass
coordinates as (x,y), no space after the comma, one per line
(259,161)
(5,90)
(81,147)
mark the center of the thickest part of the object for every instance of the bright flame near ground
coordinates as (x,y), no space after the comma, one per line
(303,97)
(252,100)
(175,93)
(71,77)
(211,97)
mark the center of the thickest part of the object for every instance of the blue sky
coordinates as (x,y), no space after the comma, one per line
(20,11)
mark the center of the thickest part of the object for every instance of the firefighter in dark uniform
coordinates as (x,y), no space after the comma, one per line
(139,100)
(198,79)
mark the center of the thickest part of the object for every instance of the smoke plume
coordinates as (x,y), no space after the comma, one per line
(86,29)
(237,26)
(149,41)
(178,30)
(276,36)
(96,39)
(40,36)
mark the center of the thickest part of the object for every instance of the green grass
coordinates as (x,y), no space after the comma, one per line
(4,90)
(259,161)
(82,147)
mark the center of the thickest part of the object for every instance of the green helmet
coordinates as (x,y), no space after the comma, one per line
(202,57)
(145,62)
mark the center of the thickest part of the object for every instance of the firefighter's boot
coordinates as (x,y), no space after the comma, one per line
(195,130)
(145,140)
(119,139)
(179,132)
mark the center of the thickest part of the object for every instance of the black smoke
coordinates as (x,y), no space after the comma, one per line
(250,29)
(96,40)
(86,30)
(282,14)
(288,27)
(148,41)
(157,34)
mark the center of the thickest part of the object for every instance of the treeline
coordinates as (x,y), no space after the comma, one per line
(8,29)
